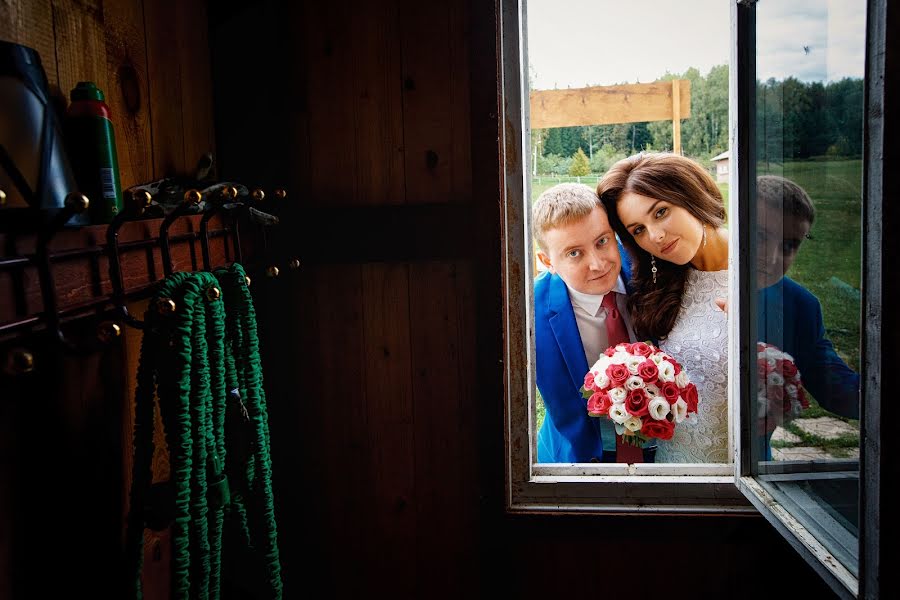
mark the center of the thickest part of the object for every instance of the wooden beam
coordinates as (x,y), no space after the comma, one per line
(676,117)
(606,105)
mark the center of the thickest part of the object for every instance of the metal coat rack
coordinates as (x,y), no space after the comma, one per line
(112,308)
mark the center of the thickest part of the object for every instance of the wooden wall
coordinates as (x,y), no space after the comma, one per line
(382,353)
(65,430)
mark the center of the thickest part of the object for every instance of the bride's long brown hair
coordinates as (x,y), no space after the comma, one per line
(654,306)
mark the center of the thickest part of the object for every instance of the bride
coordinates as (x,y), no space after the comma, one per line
(669,214)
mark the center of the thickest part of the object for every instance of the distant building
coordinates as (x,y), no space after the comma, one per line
(721,162)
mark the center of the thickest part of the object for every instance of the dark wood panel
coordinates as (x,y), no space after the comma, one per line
(127,93)
(333,68)
(80,44)
(191,27)
(378,104)
(164,69)
(391,427)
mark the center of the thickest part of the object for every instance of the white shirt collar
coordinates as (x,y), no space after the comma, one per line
(591,303)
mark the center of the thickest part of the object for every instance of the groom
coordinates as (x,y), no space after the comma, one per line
(579,306)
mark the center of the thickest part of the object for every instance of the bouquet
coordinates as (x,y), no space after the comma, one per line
(643,390)
(780,394)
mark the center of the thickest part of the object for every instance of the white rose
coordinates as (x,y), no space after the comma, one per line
(679,409)
(656,357)
(601,364)
(634,383)
(619,358)
(632,362)
(681,380)
(618,395)
(620,429)
(791,390)
(774,379)
(621,348)
(652,390)
(618,413)
(601,380)
(659,408)
(666,371)
(633,423)
(762,403)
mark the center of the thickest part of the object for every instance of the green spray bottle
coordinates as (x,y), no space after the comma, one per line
(92,151)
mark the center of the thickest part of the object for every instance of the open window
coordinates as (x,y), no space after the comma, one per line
(805,214)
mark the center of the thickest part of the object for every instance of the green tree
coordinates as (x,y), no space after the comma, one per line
(580,164)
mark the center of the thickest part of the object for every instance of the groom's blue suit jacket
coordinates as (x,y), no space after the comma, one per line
(568,433)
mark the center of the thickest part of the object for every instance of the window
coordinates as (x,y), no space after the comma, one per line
(805,175)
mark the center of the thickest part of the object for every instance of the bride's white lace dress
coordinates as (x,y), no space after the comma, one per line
(699,341)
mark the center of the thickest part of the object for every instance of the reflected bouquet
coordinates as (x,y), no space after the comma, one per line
(779,395)
(643,390)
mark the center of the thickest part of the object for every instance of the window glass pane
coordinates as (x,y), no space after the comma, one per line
(663,89)
(808,182)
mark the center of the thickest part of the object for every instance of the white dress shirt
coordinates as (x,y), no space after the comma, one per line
(590,317)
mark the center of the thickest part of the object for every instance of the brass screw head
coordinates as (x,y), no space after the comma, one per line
(258,195)
(108,331)
(280,193)
(229,192)
(213,294)
(295,263)
(77,201)
(272,271)
(2,198)
(19,362)
(192,197)
(142,200)
(165,306)
(247,279)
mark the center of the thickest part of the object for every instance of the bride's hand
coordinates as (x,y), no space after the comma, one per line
(722,303)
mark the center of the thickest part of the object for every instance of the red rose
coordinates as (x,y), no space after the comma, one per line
(676,365)
(648,371)
(761,369)
(801,397)
(789,369)
(589,381)
(599,404)
(670,392)
(641,349)
(691,397)
(663,429)
(609,351)
(637,403)
(617,374)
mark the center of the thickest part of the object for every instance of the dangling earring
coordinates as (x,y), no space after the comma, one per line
(653,268)
(704,235)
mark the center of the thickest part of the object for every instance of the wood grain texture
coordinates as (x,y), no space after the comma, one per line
(127,93)
(603,105)
(164,71)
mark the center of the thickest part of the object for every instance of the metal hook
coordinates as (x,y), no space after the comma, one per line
(228,195)
(75,203)
(140,201)
(191,199)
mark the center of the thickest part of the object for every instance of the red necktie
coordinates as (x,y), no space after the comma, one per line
(615,324)
(616,333)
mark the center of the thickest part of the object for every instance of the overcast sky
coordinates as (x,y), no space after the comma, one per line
(575,43)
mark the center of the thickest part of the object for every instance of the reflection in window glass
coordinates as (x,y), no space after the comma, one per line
(809,134)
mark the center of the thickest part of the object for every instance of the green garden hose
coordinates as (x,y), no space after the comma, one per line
(202,360)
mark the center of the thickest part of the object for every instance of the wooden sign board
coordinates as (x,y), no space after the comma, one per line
(607,105)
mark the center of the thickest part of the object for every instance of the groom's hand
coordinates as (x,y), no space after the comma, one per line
(722,303)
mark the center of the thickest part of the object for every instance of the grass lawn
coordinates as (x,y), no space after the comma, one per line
(828,264)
